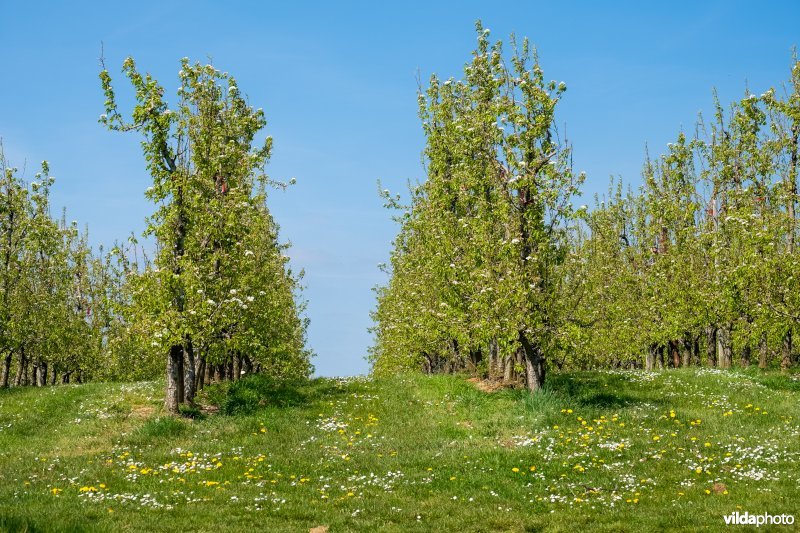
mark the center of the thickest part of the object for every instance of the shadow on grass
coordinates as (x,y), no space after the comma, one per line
(597,390)
(779,382)
(256,391)
(13,524)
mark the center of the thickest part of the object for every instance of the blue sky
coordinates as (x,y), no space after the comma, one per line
(338,84)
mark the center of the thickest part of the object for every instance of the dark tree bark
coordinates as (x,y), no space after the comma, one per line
(174,363)
(175,386)
(236,372)
(209,372)
(42,377)
(20,368)
(201,373)
(650,358)
(474,360)
(745,356)
(675,354)
(711,346)
(686,350)
(786,351)
(763,352)
(508,369)
(535,364)
(189,384)
(6,371)
(725,347)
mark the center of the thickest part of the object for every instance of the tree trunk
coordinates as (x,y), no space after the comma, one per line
(181,388)
(174,391)
(209,372)
(201,373)
(535,364)
(711,346)
(236,372)
(686,350)
(675,354)
(650,358)
(725,355)
(474,361)
(6,371)
(42,374)
(53,375)
(173,397)
(65,378)
(696,350)
(189,375)
(660,357)
(744,358)
(786,351)
(508,369)
(28,372)
(763,352)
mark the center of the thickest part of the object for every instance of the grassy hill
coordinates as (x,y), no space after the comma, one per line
(610,451)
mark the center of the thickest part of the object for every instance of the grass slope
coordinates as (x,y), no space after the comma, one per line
(602,451)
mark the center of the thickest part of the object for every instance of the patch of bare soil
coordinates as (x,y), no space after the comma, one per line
(143,411)
(488,385)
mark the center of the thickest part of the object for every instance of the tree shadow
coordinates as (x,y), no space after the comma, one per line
(600,390)
(255,392)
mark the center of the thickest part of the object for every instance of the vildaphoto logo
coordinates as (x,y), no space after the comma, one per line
(747,519)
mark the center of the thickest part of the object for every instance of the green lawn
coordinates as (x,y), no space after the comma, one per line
(598,451)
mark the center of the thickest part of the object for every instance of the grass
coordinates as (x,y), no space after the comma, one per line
(601,451)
